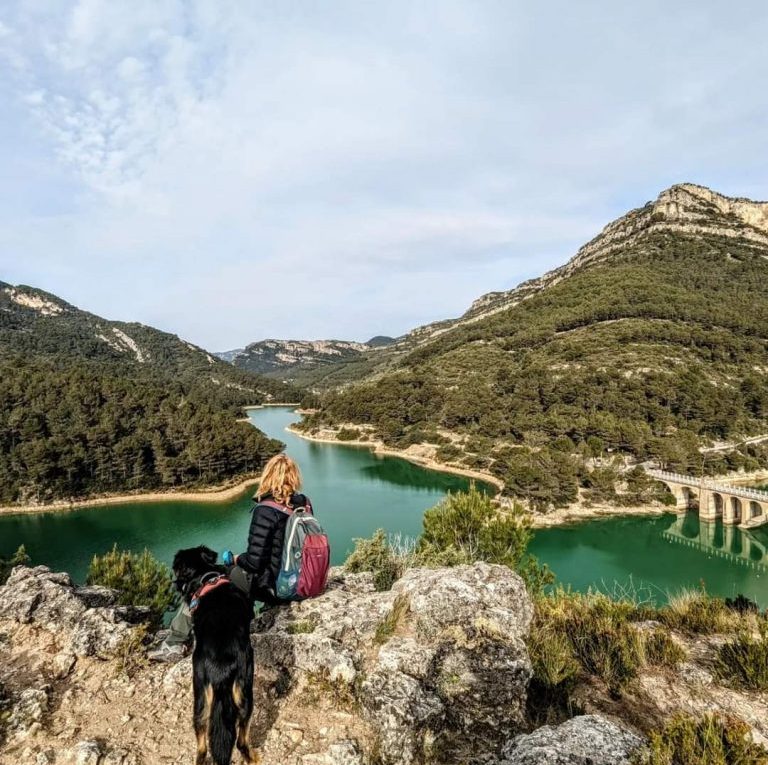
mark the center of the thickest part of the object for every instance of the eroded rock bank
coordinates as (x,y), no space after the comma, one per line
(434,671)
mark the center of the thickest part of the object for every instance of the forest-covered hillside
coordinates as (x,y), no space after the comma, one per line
(37,324)
(92,406)
(649,344)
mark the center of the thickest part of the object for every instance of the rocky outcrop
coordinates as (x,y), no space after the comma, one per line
(436,665)
(88,616)
(585,740)
(435,669)
(285,356)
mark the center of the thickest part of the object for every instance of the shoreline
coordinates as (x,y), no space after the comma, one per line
(213,495)
(377,447)
(571,515)
(575,514)
(261,406)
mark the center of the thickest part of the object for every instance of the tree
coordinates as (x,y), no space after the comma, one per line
(140,579)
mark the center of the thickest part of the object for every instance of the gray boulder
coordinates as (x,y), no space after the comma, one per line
(437,666)
(585,740)
(50,600)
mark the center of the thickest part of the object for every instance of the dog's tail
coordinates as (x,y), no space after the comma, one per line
(222,727)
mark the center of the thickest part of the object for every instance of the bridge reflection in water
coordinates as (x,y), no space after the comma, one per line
(718,539)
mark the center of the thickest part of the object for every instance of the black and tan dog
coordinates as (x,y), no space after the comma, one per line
(223,657)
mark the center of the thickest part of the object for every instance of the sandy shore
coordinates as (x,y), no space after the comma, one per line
(377,447)
(214,494)
(261,406)
(579,514)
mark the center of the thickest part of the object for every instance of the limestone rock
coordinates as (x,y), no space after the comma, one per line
(467,595)
(178,678)
(27,713)
(95,596)
(402,710)
(63,663)
(340,753)
(435,669)
(585,740)
(86,753)
(51,601)
(452,666)
(39,595)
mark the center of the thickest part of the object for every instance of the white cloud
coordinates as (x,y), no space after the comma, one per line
(396,158)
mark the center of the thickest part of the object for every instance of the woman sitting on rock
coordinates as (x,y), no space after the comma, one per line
(256,570)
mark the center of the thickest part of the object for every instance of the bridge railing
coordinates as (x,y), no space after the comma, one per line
(738,491)
(677,477)
(689,480)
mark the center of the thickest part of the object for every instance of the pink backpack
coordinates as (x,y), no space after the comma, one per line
(306,555)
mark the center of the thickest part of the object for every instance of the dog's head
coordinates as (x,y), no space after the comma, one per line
(192,563)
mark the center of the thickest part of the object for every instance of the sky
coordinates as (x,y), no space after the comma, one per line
(232,171)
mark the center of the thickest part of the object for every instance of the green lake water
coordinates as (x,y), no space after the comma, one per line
(355,492)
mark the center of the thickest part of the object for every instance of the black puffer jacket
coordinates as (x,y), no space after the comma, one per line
(265,545)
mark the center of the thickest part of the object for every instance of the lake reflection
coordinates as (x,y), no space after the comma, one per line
(715,538)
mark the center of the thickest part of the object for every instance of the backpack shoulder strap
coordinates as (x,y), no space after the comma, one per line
(275,506)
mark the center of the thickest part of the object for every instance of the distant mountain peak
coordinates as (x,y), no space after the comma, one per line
(691,202)
(686,208)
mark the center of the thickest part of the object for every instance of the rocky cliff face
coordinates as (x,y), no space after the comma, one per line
(434,670)
(281,356)
(684,208)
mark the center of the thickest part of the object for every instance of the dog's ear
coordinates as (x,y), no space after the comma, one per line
(208,556)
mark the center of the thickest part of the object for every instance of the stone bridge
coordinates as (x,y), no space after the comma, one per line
(736,505)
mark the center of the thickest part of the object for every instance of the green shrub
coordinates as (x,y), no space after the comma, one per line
(743,662)
(131,652)
(140,579)
(742,605)
(467,527)
(711,740)
(19,558)
(661,650)
(695,612)
(448,453)
(600,634)
(377,556)
(348,434)
(304,627)
(321,689)
(555,673)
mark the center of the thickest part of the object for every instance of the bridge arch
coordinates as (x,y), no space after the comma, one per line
(690,498)
(718,504)
(755,510)
(733,510)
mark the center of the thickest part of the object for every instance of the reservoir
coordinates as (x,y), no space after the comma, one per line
(355,492)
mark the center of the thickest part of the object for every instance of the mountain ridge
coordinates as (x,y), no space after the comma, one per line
(301,361)
(681,202)
(92,407)
(649,343)
(687,208)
